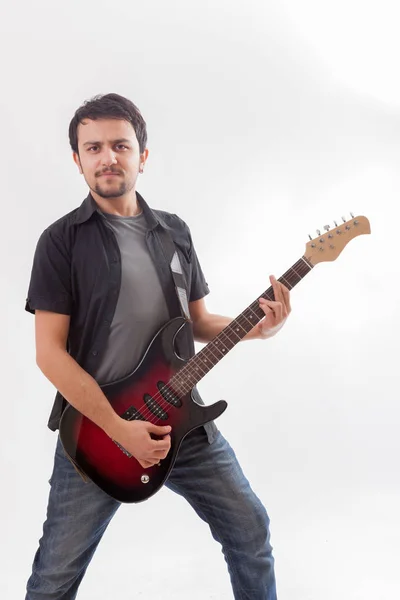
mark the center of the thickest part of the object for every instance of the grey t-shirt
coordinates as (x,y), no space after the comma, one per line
(141,308)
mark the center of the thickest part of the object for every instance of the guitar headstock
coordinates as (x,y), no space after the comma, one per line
(327,246)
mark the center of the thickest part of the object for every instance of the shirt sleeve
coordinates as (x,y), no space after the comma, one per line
(50,283)
(198,285)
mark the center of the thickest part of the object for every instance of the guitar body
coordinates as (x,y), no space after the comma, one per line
(142,395)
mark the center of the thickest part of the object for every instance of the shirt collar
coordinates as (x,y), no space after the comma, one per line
(89,206)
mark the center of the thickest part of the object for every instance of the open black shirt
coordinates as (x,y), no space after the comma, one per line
(77,271)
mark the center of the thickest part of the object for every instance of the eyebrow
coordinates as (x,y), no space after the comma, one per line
(113,141)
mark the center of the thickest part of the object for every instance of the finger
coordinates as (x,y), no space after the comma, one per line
(166,439)
(268,307)
(275,287)
(276,307)
(145,463)
(158,456)
(159,453)
(284,287)
(286,298)
(281,293)
(159,446)
(280,299)
(268,312)
(158,429)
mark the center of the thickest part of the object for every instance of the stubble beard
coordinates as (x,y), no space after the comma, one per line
(109,192)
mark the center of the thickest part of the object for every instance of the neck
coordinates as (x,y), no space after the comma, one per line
(124,206)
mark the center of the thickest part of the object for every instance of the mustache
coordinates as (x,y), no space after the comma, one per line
(110,171)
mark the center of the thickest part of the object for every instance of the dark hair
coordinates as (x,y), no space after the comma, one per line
(110,106)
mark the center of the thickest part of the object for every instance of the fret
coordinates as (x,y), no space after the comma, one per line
(257,311)
(205,360)
(201,361)
(178,384)
(296,273)
(198,367)
(235,329)
(218,346)
(196,370)
(211,350)
(253,314)
(209,355)
(245,324)
(305,262)
(285,282)
(200,364)
(224,334)
(248,321)
(229,333)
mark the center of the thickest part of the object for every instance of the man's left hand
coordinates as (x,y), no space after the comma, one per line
(276,311)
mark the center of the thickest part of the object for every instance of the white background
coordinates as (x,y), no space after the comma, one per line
(266,121)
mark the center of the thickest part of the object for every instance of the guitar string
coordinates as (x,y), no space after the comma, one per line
(144,410)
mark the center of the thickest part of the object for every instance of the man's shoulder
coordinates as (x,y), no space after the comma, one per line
(171,220)
(178,229)
(63,225)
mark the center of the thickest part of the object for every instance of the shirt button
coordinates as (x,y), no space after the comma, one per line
(95,353)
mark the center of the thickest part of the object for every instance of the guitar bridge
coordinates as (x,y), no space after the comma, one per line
(128,454)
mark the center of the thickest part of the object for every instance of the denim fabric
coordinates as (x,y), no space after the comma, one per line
(207,475)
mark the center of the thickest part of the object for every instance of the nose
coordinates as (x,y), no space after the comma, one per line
(108,158)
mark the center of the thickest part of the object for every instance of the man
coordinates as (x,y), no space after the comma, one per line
(100,288)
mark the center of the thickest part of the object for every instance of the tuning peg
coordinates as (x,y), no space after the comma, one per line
(335,223)
(318,232)
(327,227)
(352,216)
(310,237)
(344,220)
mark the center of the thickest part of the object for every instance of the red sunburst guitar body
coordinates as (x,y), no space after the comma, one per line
(142,395)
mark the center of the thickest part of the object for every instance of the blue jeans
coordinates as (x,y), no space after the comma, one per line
(211,480)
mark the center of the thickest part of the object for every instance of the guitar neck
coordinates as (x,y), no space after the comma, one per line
(200,364)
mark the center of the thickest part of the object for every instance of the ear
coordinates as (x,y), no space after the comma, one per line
(144,155)
(77,162)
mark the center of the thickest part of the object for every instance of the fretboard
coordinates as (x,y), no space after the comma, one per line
(200,364)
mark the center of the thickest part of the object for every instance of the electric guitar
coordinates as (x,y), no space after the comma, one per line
(160,388)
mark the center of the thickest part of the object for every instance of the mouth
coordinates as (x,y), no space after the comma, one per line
(109,175)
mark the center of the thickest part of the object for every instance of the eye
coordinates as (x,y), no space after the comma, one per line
(118,146)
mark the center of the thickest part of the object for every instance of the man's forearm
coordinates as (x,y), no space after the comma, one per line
(206,329)
(79,388)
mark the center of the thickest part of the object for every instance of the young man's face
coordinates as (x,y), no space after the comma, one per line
(109,145)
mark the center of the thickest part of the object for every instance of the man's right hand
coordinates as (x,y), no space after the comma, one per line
(135,437)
